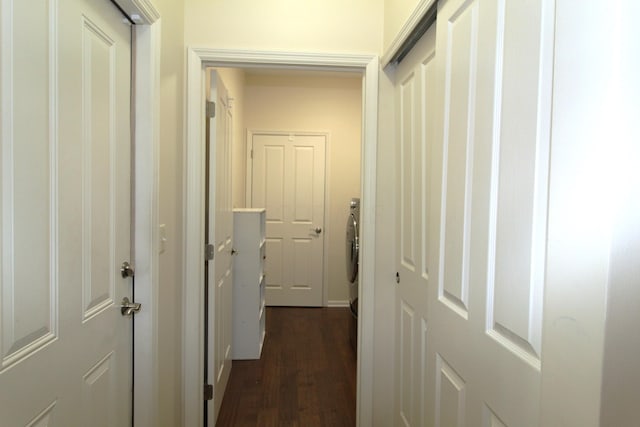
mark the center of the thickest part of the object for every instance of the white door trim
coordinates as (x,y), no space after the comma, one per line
(147,141)
(192,345)
(327,186)
(146,109)
(142,12)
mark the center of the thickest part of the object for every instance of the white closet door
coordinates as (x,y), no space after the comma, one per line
(472,120)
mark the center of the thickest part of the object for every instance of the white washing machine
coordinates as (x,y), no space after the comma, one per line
(353,251)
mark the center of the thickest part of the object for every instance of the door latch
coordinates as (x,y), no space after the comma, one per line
(128,308)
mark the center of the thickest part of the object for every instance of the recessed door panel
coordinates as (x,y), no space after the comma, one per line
(491,419)
(407,373)
(519,192)
(29,192)
(302,258)
(450,396)
(97,383)
(274,263)
(303,197)
(459,139)
(98,100)
(408,148)
(45,418)
(273,199)
(427,123)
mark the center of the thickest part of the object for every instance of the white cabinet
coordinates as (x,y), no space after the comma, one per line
(248,283)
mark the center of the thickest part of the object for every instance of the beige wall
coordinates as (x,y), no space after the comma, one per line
(396,14)
(234,79)
(332,104)
(170,204)
(293,25)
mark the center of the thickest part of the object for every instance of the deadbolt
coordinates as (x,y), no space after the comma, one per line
(126,270)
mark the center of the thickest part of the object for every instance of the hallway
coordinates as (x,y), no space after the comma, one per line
(306,376)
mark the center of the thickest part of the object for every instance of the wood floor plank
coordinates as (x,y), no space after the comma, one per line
(305,377)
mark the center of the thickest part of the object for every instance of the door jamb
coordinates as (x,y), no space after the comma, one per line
(146,141)
(146,234)
(192,345)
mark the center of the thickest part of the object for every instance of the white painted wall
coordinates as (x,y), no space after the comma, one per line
(292,25)
(590,346)
(396,14)
(170,211)
(316,103)
(621,364)
(621,372)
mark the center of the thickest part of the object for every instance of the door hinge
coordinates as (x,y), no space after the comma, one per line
(208,392)
(252,153)
(209,250)
(211,109)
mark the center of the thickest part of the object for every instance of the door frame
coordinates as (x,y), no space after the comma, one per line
(325,210)
(145,162)
(193,326)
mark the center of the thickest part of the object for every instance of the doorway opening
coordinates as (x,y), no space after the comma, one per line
(198,61)
(296,152)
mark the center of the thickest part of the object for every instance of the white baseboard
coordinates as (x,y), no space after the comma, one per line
(338,303)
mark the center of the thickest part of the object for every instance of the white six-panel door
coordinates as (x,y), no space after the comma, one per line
(288,173)
(415,104)
(220,234)
(65,348)
(472,120)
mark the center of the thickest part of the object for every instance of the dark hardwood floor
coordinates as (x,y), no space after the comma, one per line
(306,376)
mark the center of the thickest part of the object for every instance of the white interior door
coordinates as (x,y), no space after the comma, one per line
(472,125)
(415,104)
(288,173)
(65,347)
(220,234)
